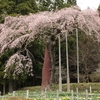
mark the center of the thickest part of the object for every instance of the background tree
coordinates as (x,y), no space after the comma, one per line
(89,56)
(26,7)
(17,7)
(52,5)
(99,9)
(72,2)
(3,59)
(45,5)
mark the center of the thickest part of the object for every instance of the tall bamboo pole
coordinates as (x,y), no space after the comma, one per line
(60,78)
(68,80)
(77,55)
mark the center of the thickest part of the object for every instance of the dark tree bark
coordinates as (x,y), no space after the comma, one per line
(10,86)
(4,88)
(52,56)
(46,71)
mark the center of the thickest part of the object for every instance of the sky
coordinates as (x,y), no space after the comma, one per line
(83,4)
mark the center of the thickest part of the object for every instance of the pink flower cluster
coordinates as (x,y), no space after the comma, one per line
(18,64)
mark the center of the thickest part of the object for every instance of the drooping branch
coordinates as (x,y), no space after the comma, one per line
(18,64)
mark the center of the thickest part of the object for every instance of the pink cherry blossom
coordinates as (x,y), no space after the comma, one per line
(18,64)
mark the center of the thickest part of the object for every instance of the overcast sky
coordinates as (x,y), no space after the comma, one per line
(93,4)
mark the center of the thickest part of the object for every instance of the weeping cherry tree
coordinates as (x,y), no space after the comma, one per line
(18,32)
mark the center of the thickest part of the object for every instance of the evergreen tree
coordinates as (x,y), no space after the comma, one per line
(25,7)
(71,2)
(44,5)
(99,9)
(63,3)
(12,7)
(48,5)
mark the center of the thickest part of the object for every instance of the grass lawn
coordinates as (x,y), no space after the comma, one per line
(36,94)
(81,87)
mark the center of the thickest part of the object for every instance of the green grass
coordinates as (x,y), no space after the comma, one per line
(35,92)
(81,87)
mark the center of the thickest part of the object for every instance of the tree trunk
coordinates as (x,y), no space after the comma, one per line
(46,71)
(4,87)
(52,56)
(10,87)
